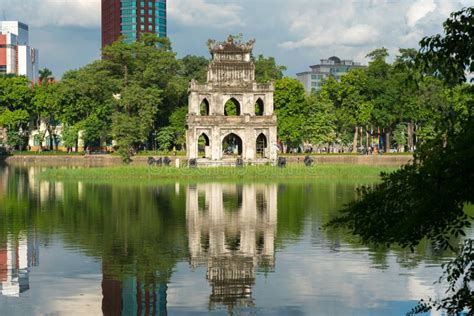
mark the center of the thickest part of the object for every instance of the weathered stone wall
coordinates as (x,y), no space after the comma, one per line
(109,160)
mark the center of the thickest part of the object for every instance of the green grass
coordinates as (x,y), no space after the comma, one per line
(260,173)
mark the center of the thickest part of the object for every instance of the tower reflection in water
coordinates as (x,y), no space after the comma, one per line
(17,256)
(231,230)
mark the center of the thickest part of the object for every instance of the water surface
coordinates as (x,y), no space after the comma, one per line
(70,248)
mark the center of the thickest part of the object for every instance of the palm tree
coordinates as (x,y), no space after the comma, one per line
(45,75)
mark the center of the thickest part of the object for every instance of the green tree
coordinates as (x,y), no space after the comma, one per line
(382,93)
(194,67)
(290,108)
(149,62)
(45,108)
(267,70)
(450,56)
(15,108)
(320,123)
(428,198)
(178,123)
(400,135)
(92,130)
(44,75)
(165,138)
(69,137)
(351,100)
(132,123)
(86,95)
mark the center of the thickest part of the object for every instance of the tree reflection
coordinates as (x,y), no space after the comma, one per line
(141,231)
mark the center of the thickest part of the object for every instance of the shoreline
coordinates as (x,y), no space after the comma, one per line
(115,161)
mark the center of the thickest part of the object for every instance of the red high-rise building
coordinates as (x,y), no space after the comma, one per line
(130,18)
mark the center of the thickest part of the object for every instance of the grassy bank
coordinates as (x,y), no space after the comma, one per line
(223,173)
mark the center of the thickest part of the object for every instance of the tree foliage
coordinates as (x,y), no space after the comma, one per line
(319,126)
(266,69)
(450,55)
(428,198)
(290,107)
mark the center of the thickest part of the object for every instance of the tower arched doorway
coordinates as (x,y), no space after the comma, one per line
(231,146)
(204,146)
(261,146)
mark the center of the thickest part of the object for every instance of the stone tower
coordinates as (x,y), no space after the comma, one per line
(231,115)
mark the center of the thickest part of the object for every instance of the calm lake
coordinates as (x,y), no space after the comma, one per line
(125,248)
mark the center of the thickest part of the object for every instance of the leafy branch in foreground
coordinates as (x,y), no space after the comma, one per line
(428,198)
(459,273)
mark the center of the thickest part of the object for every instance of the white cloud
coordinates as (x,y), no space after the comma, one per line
(59,13)
(418,10)
(358,35)
(202,13)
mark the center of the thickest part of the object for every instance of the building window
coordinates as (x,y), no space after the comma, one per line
(128,28)
(128,20)
(128,4)
(142,27)
(128,12)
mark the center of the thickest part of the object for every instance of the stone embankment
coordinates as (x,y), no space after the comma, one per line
(110,160)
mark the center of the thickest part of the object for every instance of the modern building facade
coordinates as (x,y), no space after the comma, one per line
(16,56)
(333,66)
(130,18)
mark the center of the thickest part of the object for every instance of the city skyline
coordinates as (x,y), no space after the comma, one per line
(296,34)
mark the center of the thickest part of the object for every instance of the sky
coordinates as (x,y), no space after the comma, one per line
(298,33)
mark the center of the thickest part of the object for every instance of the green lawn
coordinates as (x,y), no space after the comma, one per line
(223,173)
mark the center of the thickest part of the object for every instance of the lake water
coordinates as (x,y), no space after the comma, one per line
(125,248)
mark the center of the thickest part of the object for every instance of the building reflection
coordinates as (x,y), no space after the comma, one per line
(231,230)
(17,256)
(129,296)
(46,190)
(4,174)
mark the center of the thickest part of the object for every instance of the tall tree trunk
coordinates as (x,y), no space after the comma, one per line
(51,141)
(371,142)
(366,140)
(410,132)
(387,140)
(354,142)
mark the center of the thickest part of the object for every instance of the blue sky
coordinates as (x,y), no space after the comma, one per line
(296,32)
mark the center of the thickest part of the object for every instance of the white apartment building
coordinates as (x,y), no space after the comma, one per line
(16,56)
